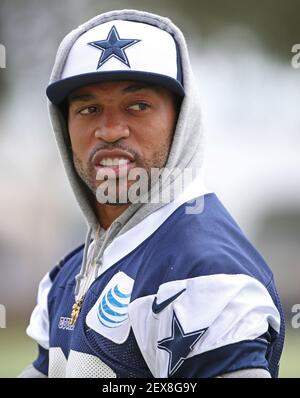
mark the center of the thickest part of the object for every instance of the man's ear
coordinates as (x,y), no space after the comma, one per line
(64,114)
(177,104)
(64,108)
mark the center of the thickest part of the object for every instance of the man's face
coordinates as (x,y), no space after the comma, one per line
(118,126)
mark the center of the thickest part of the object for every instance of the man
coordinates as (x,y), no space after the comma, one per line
(161,288)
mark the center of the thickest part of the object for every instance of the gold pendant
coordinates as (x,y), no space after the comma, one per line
(75,311)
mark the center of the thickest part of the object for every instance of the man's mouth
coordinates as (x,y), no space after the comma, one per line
(109,162)
(114,163)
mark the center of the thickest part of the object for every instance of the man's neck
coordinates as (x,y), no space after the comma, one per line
(107,214)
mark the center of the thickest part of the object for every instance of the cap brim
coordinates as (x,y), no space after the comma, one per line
(58,91)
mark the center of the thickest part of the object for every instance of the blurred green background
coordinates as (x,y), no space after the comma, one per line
(241,54)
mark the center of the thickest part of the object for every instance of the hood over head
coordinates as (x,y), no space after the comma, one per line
(126,45)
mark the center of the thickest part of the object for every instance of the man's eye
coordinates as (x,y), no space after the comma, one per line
(88,110)
(140,106)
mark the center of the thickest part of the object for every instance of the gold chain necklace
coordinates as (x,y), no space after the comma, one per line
(78,303)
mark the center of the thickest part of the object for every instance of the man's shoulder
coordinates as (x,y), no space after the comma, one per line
(205,243)
(204,218)
(67,263)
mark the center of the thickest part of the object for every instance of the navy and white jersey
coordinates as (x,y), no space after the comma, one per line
(179,295)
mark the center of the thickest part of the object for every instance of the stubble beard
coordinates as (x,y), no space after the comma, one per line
(87,172)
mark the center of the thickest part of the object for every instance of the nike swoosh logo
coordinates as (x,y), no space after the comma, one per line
(157,308)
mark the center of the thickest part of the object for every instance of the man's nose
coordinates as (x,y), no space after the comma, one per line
(112,126)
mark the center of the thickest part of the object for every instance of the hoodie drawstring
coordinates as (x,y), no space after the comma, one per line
(109,233)
(84,271)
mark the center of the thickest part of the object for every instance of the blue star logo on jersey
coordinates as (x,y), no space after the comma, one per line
(179,345)
(113,46)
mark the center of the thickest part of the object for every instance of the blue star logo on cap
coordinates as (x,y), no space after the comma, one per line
(179,344)
(113,46)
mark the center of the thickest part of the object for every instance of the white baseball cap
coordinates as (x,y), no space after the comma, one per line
(120,50)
